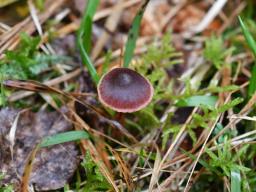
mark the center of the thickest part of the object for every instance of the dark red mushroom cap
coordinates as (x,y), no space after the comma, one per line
(124,90)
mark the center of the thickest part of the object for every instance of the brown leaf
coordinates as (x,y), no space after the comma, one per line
(52,166)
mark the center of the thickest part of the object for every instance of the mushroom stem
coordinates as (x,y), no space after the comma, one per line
(120,118)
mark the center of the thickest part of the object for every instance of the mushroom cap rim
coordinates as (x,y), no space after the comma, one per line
(126,110)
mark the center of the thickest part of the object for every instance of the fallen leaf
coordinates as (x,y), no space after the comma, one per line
(53,166)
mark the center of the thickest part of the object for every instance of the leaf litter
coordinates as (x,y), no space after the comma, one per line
(52,166)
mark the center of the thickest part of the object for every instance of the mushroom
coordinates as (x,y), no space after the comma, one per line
(124,90)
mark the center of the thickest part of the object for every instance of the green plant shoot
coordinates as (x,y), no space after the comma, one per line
(84,38)
(133,35)
(252,44)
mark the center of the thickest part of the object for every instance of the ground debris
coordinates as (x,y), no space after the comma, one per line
(52,166)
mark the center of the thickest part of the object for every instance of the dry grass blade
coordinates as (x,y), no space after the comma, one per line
(11,135)
(212,13)
(87,145)
(97,158)
(33,13)
(199,155)
(244,111)
(124,170)
(21,94)
(110,25)
(28,169)
(175,141)
(172,13)
(101,14)
(32,86)
(100,145)
(155,174)
(223,98)
(39,87)
(80,123)
(10,39)
(236,12)
(166,184)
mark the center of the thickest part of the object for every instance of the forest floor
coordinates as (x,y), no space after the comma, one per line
(198,132)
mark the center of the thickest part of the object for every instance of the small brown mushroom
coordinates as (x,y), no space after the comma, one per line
(124,90)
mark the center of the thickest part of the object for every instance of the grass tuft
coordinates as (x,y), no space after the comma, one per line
(84,38)
(133,35)
(252,44)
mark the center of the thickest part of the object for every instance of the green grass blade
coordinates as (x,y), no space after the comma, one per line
(252,45)
(248,36)
(235,181)
(252,83)
(87,22)
(63,137)
(87,61)
(197,101)
(133,35)
(84,38)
